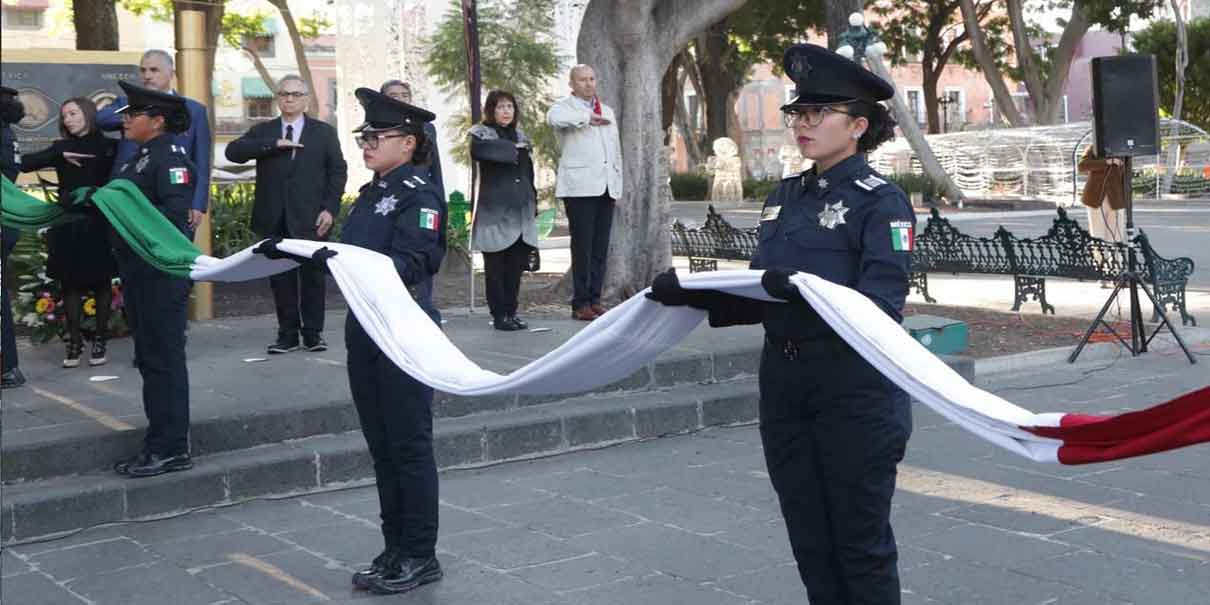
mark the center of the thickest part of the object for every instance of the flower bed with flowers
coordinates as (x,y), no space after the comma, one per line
(38,303)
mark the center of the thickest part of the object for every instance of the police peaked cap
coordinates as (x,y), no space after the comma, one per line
(822,77)
(386,113)
(4,90)
(143,99)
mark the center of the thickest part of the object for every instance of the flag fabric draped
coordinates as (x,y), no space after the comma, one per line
(633,334)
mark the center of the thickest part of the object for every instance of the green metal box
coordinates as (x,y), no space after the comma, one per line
(940,335)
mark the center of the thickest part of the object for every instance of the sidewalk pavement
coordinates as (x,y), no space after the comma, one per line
(692,520)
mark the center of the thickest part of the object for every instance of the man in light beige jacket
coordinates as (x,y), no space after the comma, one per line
(589,182)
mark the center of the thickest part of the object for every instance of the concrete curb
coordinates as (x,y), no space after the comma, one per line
(45,508)
(1100,352)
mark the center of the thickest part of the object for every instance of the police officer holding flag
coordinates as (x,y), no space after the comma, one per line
(833,427)
(163,172)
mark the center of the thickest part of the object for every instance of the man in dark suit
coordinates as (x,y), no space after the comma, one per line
(300,175)
(156,72)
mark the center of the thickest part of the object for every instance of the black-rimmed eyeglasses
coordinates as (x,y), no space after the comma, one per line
(811,116)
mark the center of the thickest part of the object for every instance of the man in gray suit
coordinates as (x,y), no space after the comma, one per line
(300,176)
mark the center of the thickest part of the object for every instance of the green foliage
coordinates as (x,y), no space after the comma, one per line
(517,53)
(1159,39)
(917,183)
(1111,15)
(688,186)
(159,10)
(237,27)
(759,189)
(761,31)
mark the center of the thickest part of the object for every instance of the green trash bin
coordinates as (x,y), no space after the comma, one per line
(459,211)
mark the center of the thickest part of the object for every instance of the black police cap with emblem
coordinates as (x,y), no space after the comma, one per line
(386,113)
(171,106)
(822,77)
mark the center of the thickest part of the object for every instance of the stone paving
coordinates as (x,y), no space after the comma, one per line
(693,520)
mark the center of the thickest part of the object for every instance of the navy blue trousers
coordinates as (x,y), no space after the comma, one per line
(834,429)
(156,305)
(396,413)
(8,346)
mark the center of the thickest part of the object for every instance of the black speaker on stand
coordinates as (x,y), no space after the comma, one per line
(1125,103)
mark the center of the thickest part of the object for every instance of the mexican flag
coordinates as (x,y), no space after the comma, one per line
(901,236)
(631,336)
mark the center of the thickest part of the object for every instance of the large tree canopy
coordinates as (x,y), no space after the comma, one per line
(1159,39)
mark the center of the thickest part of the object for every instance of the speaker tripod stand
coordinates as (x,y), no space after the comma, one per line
(1130,279)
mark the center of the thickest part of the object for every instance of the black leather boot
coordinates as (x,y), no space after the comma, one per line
(406,574)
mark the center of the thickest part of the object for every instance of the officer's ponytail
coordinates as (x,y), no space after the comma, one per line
(882,125)
(424,147)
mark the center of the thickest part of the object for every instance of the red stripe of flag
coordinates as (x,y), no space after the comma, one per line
(1177,423)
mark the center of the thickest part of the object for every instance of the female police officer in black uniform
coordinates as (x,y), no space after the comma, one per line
(833,427)
(155,300)
(401,215)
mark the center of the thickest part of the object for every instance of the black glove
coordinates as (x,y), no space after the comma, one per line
(270,250)
(666,289)
(777,283)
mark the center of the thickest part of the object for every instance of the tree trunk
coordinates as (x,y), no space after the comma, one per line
(96,23)
(1182,62)
(718,82)
(693,147)
(630,44)
(1046,90)
(930,76)
(265,76)
(928,161)
(837,13)
(987,64)
(300,53)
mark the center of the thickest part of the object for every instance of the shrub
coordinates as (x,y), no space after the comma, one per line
(689,187)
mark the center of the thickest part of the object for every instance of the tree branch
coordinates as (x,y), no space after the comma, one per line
(987,63)
(686,18)
(1077,26)
(1025,52)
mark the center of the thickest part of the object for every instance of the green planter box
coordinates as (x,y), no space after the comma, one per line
(940,335)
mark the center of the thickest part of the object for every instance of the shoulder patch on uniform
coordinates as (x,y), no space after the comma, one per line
(429,219)
(410,184)
(902,236)
(870,183)
(178,176)
(419,181)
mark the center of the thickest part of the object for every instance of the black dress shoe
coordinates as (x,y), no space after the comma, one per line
(387,558)
(521,325)
(12,378)
(122,467)
(505,324)
(406,574)
(148,464)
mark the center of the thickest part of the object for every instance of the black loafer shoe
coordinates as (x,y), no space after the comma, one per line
(12,378)
(407,574)
(122,467)
(150,465)
(385,559)
(521,325)
(505,324)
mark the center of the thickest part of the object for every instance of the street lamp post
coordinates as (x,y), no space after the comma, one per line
(862,44)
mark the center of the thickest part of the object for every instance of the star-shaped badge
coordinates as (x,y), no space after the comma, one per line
(386,205)
(832,215)
(823,183)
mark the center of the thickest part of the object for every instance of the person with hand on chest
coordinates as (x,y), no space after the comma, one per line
(399,214)
(156,301)
(300,176)
(833,427)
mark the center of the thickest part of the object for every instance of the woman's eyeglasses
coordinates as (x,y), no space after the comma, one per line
(371,141)
(811,116)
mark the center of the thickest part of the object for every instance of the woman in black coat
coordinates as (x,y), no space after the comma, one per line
(506,229)
(79,255)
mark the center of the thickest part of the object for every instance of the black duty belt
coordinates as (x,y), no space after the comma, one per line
(794,348)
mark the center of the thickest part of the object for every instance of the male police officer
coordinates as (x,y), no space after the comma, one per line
(832,426)
(401,215)
(162,171)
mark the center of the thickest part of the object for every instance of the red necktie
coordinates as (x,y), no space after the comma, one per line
(596,106)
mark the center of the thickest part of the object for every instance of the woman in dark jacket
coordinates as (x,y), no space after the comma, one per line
(505,229)
(79,251)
